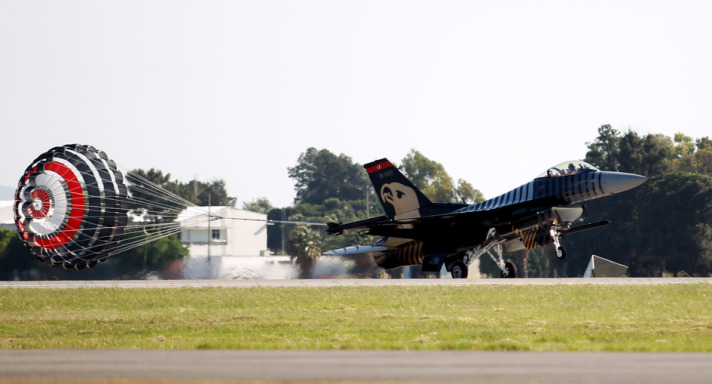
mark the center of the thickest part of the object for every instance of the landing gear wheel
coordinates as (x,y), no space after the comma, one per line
(511,271)
(459,270)
(561,253)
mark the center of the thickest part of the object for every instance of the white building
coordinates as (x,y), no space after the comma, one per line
(235,232)
(236,239)
(7,216)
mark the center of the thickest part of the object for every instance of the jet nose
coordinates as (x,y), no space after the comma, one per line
(616,182)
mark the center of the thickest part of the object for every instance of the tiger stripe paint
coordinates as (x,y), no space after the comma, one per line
(528,237)
(411,253)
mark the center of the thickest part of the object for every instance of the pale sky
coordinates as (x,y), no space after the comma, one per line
(496,91)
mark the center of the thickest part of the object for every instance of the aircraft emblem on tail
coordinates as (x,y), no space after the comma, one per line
(399,197)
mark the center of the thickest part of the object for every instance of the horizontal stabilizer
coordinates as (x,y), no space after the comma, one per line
(356,250)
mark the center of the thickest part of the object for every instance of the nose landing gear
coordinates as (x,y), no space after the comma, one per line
(556,238)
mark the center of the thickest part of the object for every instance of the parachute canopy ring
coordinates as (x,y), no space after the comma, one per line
(71,206)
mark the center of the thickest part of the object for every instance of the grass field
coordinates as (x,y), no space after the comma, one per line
(539,318)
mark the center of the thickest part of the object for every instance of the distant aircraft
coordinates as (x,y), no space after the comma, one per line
(417,231)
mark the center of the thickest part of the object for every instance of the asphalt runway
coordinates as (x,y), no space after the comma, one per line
(238,366)
(151,366)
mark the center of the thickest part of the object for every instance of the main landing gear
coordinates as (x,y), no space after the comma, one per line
(493,247)
(459,270)
(511,270)
(507,269)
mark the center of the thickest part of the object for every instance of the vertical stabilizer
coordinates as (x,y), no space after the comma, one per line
(399,197)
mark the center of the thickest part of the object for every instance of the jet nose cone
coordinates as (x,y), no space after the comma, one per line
(616,182)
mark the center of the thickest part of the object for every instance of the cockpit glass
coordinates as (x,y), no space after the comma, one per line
(569,168)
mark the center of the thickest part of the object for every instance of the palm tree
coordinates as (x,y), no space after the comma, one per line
(304,245)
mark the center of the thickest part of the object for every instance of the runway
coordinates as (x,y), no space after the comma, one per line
(341,282)
(241,366)
(70,366)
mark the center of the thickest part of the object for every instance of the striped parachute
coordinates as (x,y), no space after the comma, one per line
(71,206)
(75,207)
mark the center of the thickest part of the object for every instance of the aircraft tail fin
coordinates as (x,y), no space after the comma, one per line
(400,198)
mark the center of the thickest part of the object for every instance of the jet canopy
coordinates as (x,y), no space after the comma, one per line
(569,168)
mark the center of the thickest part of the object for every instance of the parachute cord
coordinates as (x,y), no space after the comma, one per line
(160,191)
(119,209)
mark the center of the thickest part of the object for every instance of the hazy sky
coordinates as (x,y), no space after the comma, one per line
(496,91)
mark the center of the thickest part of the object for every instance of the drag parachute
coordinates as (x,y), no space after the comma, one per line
(71,206)
(74,207)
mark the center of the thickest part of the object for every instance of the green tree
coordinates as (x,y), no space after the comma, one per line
(703,160)
(144,197)
(197,192)
(150,258)
(259,205)
(320,174)
(603,152)
(305,246)
(676,223)
(683,153)
(212,193)
(647,156)
(467,193)
(539,263)
(429,176)
(696,158)
(434,181)
(14,257)
(329,188)
(662,226)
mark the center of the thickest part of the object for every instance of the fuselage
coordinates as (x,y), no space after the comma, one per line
(530,208)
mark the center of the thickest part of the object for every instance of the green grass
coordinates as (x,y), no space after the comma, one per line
(539,318)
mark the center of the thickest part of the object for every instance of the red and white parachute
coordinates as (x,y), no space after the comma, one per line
(73,204)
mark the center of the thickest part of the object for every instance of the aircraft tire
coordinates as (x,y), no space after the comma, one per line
(511,270)
(563,254)
(459,270)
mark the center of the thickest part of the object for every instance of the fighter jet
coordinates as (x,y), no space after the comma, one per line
(416,231)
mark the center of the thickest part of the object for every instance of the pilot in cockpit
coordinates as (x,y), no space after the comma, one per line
(572,169)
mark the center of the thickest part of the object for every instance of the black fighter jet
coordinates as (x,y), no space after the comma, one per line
(417,231)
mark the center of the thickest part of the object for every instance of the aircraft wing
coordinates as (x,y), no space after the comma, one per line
(420,228)
(467,226)
(361,225)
